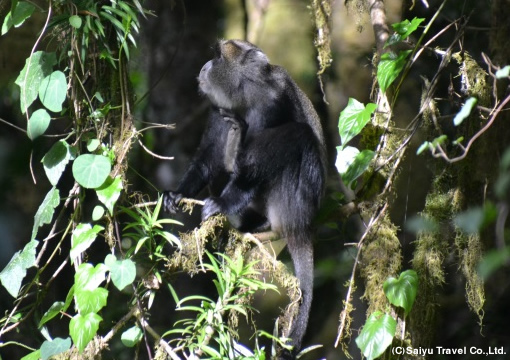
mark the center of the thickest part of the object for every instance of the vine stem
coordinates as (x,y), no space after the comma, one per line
(344,313)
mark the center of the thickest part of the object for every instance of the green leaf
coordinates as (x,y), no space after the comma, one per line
(75,21)
(37,67)
(14,273)
(92,144)
(83,236)
(353,119)
(56,160)
(88,277)
(91,171)
(123,272)
(401,292)
(357,167)
(97,213)
(34,355)
(390,67)
(131,336)
(426,145)
(503,72)
(53,90)
(465,111)
(90,301)
(53,311)
(83,328)
(45,212)
(403,30)
(16,18)
(109,192)
(54,347)
(38,123)
(344,158)
(377,335)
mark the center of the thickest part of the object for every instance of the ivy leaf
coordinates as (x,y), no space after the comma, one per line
(88,277)
(403,30)
(53,311)
(353,119)
(17,17)
(390,67)
(123,272)
(465,111)
(358,166)
(91,171)
(53,90)
(37,67)
(131,336)
(56,160)
(109,192)
(45,212)
(13,274)
(401,292)
(83,236)
(83,328)
(377,335)
(90,301)
(54,347)
(344,158)
(38,123)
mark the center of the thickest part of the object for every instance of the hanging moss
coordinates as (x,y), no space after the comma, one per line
(469,250)
(322,15)
(381,258)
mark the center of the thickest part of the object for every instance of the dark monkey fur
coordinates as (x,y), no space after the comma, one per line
(262,156)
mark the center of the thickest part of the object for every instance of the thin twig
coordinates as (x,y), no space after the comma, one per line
(153,154)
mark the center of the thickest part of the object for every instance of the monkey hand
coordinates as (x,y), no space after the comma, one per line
(212,206)
(171,201)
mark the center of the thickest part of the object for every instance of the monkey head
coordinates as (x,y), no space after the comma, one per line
(235,75)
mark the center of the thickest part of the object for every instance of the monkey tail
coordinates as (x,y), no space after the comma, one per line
(301,250)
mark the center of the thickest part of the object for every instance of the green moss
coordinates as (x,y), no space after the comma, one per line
(381,258)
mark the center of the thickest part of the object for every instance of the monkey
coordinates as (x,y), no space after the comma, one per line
(263,158)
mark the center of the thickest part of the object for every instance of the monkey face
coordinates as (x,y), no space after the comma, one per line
(228,79)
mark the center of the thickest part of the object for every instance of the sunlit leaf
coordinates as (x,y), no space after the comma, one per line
(353,119)
(45,212)
(389,68)
(465,111)
(109,192)
(53,90)
(56,160)
(16,18)
(38,124)
(13,274)
(91,171)
(37,67)
(83,236)
(83,328)
(123,272)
